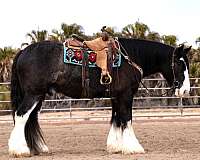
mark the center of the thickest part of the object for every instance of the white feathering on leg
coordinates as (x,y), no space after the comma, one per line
(114,140)
(17,142)
(130,142)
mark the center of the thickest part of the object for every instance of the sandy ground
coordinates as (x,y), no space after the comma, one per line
(172,139)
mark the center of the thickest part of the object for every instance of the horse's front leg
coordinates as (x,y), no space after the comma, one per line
(121,137)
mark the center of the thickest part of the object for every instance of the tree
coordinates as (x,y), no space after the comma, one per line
(6,55)
(68,30)
(37,36)
(169,39)
(6,52)
(198,41)
(129,31)
(137,30)
(56,35)
(111,32)
(154,36)
(141,30)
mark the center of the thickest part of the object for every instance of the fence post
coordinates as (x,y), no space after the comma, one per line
(181,106)
(70,108)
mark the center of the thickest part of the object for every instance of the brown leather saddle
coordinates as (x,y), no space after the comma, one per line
(102,46)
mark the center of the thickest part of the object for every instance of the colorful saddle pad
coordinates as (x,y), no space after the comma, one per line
(75,56)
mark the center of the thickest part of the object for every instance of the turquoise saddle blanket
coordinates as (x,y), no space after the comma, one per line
(75,56)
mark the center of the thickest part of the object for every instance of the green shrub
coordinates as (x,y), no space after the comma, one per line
(195,69)
(4,97)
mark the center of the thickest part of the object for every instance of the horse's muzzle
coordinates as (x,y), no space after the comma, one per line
(181,93)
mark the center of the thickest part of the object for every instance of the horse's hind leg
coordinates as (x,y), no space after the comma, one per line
(33,132)
(25,120)
(17,143)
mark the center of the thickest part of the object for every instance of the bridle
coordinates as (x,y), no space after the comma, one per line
(176,83)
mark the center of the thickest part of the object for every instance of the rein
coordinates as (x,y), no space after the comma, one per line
(150,93)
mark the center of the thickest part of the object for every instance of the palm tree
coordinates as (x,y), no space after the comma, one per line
(141,30)
(137,30)
(169,39)
(37,36)
(6,55)
(129,31)
(68,30)
(56,36)
(111,32)
(6,52)
(198,41)
(154,36)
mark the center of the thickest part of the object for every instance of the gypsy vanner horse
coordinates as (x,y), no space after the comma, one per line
(39,69)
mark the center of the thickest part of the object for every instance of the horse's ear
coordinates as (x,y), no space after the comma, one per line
(180,48)
(179,51)
(186,50)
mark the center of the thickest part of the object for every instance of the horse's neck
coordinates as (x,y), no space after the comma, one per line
(150,56)
(151,63)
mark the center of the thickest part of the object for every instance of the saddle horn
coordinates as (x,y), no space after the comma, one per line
(103,29)
(104,34)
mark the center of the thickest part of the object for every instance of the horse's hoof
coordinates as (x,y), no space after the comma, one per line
(45,149)
(138,150)
(112,150)
(19,151)
(19,155)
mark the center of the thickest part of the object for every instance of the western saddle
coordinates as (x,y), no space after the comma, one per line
(102,46)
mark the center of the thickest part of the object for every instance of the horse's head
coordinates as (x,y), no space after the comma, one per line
(180,71)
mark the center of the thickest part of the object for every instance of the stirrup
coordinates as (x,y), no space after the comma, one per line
(105,79)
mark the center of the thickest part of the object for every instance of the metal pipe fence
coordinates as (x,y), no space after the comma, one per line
(72,112)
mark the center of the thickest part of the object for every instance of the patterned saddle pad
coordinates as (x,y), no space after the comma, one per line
(75,56)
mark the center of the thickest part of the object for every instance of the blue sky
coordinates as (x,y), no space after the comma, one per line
(177,17)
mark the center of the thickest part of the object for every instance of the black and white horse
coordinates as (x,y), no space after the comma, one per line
(39,69)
